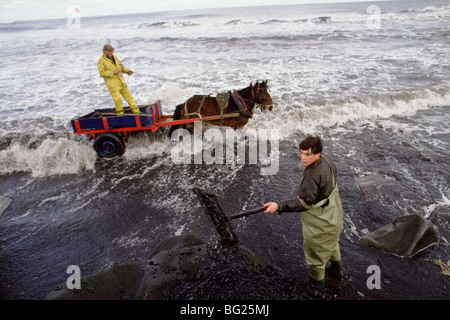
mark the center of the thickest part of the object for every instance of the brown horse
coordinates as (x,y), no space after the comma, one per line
(234,107)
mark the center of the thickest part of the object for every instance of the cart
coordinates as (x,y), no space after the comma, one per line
(109,128)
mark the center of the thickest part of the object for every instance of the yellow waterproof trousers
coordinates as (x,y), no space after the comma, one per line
(115,82)
(321,227)
(117,93)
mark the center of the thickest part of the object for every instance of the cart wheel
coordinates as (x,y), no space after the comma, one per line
(108,145)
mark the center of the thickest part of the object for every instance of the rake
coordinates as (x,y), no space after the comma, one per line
(220,220)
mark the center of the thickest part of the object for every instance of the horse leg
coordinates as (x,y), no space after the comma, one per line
(176,116)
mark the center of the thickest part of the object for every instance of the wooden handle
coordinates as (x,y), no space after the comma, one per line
(247,213)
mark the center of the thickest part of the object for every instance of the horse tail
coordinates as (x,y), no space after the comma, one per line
(176,116)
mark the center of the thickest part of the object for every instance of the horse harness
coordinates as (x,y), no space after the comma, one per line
(222,100)
(196,113)
(242,106)
(222,104)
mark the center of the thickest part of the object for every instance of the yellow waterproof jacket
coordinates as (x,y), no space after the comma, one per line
(106,69)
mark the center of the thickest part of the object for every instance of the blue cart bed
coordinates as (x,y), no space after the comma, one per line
(108,127)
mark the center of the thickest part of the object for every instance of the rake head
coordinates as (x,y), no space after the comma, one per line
(218,217)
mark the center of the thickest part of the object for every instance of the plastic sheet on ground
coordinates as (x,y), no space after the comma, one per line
(405,236)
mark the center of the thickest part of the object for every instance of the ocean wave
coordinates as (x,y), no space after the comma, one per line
(24,26)
(153,24)
(208,20)
(312,118)
(162,24)
(272,21)
(426,13)
(67,153)
(12,28)
(428,9)
(70,154)
(233,22)
(19,27)
(293,23)
(50,157)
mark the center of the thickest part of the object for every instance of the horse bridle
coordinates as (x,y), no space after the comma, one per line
(261,96)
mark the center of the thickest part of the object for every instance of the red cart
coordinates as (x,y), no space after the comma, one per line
(109,128)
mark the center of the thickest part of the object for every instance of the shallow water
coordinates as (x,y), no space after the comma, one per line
(379,99)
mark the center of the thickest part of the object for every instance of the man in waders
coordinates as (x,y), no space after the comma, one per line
(112,70)
(320,205)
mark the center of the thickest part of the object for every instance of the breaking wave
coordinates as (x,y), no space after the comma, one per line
(51,157)
(298,117)
(70,154)
(429,12)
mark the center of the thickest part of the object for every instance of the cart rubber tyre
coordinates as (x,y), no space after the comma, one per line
(109,145)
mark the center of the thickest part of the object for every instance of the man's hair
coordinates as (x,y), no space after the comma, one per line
(315,143)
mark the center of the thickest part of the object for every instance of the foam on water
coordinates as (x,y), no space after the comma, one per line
(323,73)
(309,118)
(61,156)
(70,156)
(379,98)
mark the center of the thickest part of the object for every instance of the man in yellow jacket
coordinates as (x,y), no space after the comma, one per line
(111,69)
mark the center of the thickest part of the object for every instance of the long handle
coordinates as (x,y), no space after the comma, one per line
(247,213)
(122,114)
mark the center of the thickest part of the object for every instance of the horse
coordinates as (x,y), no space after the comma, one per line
(234,107)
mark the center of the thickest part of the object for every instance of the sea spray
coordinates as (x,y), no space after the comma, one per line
(61,156)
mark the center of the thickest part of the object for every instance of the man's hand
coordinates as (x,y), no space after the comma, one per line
(271,207)
(130,72)
(116,71)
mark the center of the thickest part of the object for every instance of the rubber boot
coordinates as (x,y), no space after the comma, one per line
(319,283)
(135,110)
(335,268)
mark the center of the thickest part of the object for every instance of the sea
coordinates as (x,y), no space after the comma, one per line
(372,79)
